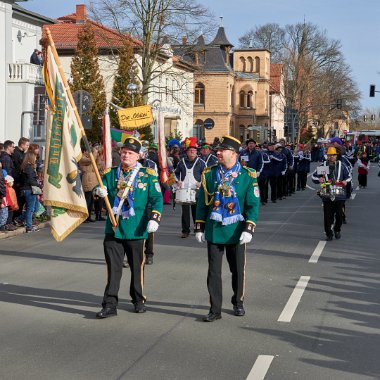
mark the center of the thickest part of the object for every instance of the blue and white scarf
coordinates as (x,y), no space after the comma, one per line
(127,209)
(226,208)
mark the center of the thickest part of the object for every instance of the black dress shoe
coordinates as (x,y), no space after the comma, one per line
(239,311)
(106,312)
(148,259)
(329,237)
(90,220)
(185,235)
(140,308)
(211,317)
(337,235)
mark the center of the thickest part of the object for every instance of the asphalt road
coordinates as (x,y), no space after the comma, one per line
(305,320)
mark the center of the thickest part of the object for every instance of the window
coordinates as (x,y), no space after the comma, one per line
(257,64)
(242,99)
(250,64)
(242,61)
(199,94)
(198,131)
(249,99)
(39,117)
(242,132)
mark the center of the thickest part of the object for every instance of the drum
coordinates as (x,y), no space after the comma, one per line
(185,196)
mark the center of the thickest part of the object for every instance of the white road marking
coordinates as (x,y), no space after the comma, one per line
(260,368)
(309,187)
(317,252)
(357,188)
(293,301)
(353,195)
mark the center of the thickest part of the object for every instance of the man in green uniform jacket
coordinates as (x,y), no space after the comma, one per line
(227,211)
(130,189)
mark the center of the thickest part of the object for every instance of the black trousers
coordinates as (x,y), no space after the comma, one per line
(114,250)
(301,180)
(149,244)
(236,260)
(291,176)
(186,209)
(362,179)
(89,201)
(333,211)
(263,187)
(273,187)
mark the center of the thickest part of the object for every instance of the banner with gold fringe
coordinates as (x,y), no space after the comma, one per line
(63,190)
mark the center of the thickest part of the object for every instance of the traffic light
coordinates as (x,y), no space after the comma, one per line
(339,104)
(372,117)
(372,90)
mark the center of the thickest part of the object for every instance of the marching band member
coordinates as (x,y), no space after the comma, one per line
(227,211)
(188,176)
(335,174)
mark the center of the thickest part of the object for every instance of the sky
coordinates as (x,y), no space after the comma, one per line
(355,23)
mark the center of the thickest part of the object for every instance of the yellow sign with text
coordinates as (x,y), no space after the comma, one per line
(136,117)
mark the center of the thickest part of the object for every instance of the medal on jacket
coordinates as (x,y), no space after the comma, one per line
(225,189)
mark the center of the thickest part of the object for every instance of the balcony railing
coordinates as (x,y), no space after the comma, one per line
(25,73)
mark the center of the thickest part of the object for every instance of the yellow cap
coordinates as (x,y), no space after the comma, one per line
(331,150)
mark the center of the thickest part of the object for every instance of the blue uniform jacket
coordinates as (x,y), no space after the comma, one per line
(255,159)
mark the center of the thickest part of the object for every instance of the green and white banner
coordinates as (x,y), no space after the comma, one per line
(62,185)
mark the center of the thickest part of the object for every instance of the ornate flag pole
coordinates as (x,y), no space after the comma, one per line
(84,137)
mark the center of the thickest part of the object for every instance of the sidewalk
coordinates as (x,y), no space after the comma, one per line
(19,231)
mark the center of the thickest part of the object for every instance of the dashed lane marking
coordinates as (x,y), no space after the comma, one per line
(260,368)
(353,195)
(317,252)
(293,301)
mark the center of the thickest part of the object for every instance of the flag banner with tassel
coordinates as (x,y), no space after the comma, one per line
(63,190)
(162,155)
(107,143)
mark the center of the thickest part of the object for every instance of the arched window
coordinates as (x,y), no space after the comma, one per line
(199,94)
(257,64)
(242,61)
(242,99)
(250,99)
(250,64)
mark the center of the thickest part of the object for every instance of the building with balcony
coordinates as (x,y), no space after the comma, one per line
(22,93)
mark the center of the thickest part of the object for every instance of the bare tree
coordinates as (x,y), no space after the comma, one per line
(315,72)
(268,36)
(156,23)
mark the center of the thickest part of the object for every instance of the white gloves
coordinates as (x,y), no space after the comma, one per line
(152,226)
(283,173)
(101,192)
(200,236)
(245,237)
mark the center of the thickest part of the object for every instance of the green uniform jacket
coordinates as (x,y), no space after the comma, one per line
(147,193)
(248,194)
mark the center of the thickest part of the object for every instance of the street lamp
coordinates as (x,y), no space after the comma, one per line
(132,89)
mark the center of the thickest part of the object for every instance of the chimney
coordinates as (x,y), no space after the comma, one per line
(81,13)
(184,40)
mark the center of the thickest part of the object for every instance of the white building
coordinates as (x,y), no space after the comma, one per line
(22,111)
(171,91)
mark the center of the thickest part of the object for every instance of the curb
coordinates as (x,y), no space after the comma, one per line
(19,231)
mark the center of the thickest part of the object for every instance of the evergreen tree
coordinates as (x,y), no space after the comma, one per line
(127,74)
(86,76)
